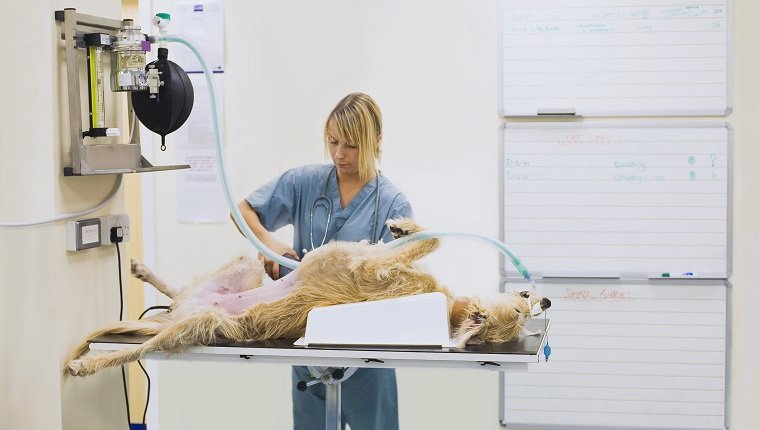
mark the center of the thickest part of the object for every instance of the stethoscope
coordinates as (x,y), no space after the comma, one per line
(323,200)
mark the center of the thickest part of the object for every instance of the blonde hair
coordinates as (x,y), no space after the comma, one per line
(358,122)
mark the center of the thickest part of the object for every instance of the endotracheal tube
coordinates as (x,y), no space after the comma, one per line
(238,217)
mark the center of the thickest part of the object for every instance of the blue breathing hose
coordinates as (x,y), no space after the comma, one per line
(279,259)
(258,244)
(429,234)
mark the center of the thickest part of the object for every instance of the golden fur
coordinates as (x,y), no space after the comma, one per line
(214,306)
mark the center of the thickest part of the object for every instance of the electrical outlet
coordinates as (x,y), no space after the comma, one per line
(109,221)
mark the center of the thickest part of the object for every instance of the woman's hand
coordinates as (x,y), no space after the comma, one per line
(252,219)
(272,268)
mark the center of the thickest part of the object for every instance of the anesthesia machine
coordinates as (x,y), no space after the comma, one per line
(160,93)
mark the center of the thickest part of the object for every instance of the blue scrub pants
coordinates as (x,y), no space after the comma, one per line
(369,401)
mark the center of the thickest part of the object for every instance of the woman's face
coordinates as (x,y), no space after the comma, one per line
(345,155)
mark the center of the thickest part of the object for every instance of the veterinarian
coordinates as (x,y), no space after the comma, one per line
(348,200)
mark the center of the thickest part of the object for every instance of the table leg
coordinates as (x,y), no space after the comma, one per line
(332,407)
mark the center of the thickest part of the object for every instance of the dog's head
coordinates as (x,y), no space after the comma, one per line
(534,304)
(506,315)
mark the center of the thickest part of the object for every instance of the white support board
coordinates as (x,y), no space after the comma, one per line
(645,356)
(420,319)
(635,200)
(615,58)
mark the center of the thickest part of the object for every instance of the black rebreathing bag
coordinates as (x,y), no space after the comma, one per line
(167,112)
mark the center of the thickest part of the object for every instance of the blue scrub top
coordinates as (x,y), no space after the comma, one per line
(289,199)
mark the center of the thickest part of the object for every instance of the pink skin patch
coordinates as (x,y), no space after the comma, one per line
(271,291)
(224,295)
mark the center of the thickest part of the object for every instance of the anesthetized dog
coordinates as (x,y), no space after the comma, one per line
(238,302)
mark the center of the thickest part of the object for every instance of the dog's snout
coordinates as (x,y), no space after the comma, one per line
(545,303)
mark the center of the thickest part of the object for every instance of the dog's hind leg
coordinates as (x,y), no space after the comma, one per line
(143,327)
(202,329)
(143,273)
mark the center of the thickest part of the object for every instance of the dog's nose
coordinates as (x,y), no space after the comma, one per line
(545,303)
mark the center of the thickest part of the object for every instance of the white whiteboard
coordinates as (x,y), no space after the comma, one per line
(622,57)
(613,200)
(627,356)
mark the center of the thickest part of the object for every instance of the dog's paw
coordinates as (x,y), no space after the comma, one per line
(397,232)
(525,333)
(476,314)
(478,317)
(76,368)
(138,270)
(402,227)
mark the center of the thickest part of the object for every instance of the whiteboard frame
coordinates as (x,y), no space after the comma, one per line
(598,124)
(634,113)
(503,285)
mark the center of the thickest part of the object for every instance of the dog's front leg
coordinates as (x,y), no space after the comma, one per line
(470,326)
(412,251)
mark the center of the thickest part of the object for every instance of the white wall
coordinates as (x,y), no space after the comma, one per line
(745,320)
(431,65)
(48,298)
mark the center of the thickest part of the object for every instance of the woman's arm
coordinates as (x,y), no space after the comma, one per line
(252,219)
